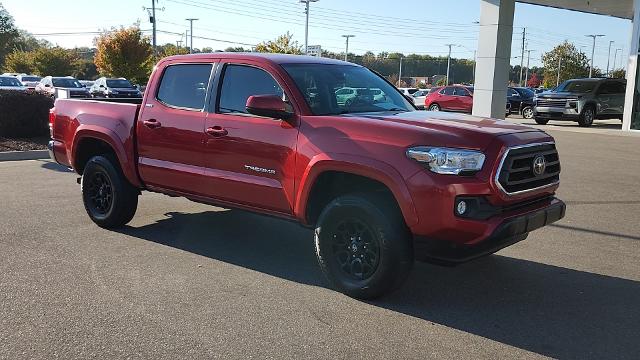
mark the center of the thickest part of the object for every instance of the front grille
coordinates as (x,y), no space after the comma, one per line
(516,173)
(552,102)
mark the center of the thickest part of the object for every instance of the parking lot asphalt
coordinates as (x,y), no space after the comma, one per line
(185,280)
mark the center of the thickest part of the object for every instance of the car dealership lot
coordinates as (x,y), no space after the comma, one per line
(189,280)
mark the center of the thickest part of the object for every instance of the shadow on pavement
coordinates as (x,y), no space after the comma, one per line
(50,165)
(596,125)
(545,309)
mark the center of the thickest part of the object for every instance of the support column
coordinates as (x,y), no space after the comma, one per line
(632,97)
(494,55)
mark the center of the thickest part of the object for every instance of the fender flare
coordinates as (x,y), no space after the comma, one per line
(356,165)
(127,161)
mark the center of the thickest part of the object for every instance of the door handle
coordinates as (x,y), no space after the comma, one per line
(152,123)
(217,131)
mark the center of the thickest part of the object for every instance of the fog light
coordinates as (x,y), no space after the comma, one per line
(462,207)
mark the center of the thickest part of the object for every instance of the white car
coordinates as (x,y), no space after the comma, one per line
(419,97)
(11,83)
(30,81)
(408,91)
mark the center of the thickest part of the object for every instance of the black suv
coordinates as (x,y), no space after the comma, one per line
(521,101)
(582,100)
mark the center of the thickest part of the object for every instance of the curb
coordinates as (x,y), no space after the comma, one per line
(24,155)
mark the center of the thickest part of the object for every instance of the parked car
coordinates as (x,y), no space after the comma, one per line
(450,98)
(11,83)
(114,88)
(408,91)
(50,85)
(582,100)
(520,100)
(10,74)
(419,98)
(29,81)
(540,90)
(381,183)
(87,83)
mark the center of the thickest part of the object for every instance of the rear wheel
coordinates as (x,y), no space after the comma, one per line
(527,113)
(541,121)
(434,107)
(363,246)
(109,199)
(587,116)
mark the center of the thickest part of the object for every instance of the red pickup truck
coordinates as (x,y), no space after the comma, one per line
(381,183)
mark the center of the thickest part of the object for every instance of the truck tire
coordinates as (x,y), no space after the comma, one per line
(542,121)
(109,199)
(587,116)
(363,245)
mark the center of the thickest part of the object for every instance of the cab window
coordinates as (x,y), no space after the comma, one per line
(240,82)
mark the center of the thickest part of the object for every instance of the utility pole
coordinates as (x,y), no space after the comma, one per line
(306,26)
(346,50)
(152,19)
(593,51)
(191,20)
(526,78)
(475,60)
(400,73)
(524,38)
(449,61)
(178,44)
(559,66)
(609,57)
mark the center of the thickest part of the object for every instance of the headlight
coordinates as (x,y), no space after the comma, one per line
(447,160)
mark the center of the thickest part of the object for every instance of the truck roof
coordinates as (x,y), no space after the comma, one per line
(273,58)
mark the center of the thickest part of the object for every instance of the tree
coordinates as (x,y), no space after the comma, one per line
(282,45)
(170,50)
(124,52)
(8,34)
(85,69)
(54,61)
(19,62)
(573,64)
(236,49)
(534,81)
(618,73)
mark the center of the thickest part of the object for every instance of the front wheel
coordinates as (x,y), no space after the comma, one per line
(363,246)
(109,199)
(434,107)
(587,116)
(527,113)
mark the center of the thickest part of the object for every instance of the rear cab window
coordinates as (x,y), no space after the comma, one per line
(184,86)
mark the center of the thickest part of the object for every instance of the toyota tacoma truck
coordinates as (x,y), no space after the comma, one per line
(381,183)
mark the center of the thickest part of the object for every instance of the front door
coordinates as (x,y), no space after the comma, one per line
(249,159)
(169,129)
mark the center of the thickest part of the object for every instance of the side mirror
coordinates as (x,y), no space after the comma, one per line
(268,106)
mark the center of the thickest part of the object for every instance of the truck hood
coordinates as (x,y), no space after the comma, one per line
(456,129)
(559,95)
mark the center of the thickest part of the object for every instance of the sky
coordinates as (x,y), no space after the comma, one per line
(417,26)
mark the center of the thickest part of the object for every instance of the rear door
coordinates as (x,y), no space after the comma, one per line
(249,160)
(447,100)
(619,89)
(169,129)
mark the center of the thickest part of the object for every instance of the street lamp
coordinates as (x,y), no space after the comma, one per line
(593,51)
(609,57)
(449,60)
(306,26)
(191,20)
(346,51)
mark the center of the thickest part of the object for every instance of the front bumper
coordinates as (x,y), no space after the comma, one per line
(556,113)
(510,230)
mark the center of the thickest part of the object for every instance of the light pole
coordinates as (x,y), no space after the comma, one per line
(306,26)
(559,66)
(346,50)
(593,51)
(475,60)
(400,73)
(526,78)
(524,38)
(449,61)
(609,57)
(191,20)
(615,59)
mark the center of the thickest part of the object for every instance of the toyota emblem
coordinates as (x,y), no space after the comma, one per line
(539,165)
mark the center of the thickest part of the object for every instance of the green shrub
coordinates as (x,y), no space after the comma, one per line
(24,115)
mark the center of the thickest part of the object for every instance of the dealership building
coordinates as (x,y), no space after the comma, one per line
(494,51)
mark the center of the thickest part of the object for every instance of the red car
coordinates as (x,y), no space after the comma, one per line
(381,183)
(450,98)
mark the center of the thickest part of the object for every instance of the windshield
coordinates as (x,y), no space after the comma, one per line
(119,83)
(66,83)
(525,93)
(327,89)
(31,78)
(576,86)
(9,81)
